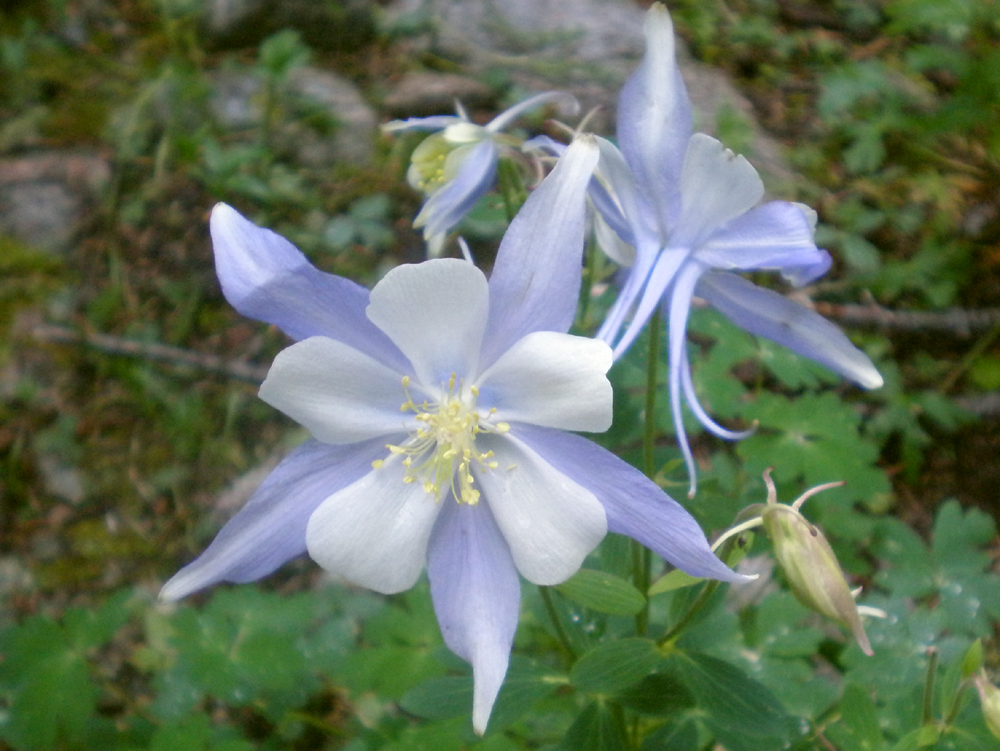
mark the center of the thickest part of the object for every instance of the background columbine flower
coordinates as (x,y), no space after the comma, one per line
(437,404)
(458,165)
(689,208)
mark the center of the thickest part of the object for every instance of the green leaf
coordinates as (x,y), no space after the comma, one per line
(603,592)
(741,711)
(674,735)
(526,683)
(614,666)
(657,695)
(973,659)
(599,727)
(440,698)
(675,579)
(52,695)
(860,717)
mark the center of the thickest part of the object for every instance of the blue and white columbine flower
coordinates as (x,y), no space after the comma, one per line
(689,208)
(458,165)
(438,404)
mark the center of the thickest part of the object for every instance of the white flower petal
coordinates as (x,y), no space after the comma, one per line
(551,379)
(550,522)
(336,392)
(374,533)
(716,186)
(435,312)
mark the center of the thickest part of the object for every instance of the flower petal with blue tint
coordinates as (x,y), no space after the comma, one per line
(551,379)
(436,314)
(338,393)
(375,531)
(550,522)
(716,186)
(453,200)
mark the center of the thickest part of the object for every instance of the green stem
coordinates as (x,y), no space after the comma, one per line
(511,188)
(724,551)
(707,591)
(969,359)
(956,705)
(932,661)
(641,557)
(550,608)
(589,279)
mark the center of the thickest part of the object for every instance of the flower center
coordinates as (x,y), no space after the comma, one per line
(427,163)
(441,452)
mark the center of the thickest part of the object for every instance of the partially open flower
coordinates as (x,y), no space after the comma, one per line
(809,563)
(457,165)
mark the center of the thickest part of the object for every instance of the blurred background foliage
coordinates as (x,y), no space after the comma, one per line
(130,429)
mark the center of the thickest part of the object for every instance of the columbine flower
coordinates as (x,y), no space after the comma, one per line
(455,167)
(689,208)
(437,404)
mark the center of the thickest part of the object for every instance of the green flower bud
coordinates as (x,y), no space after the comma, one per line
(809,563)
(989,700)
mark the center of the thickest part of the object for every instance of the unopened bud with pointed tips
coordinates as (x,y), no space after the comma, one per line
(809,563)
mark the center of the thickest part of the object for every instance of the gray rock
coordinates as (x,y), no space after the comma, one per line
(236,102)
(354,139)
(44,197)
(589,47)
(423,93)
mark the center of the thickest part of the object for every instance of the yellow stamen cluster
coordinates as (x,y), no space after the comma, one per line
(441,452)
(426,172)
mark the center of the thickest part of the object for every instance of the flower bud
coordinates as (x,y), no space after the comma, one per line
(809,563)
(989,700)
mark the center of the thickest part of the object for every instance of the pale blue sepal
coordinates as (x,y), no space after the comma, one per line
(437,122)
(598,194)
(567,103)
(635,505)
(535,285)
(271,528)
(765,313)
(476,594)
(654,119)
(267,278)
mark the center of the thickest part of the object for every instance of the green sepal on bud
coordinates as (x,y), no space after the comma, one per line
(989,700)
(809,563)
